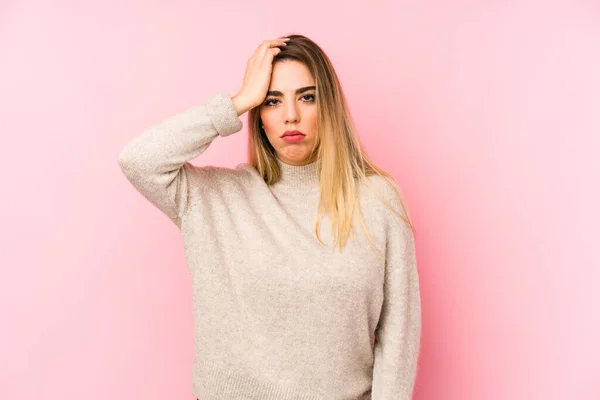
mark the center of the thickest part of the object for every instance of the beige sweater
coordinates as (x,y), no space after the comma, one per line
(277,315)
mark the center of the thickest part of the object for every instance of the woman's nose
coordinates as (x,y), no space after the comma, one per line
(291,113)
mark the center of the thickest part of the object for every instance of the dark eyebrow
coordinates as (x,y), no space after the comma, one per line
(301,90)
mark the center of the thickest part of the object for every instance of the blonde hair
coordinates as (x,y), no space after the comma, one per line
(342,162)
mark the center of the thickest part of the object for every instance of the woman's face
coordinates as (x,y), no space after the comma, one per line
(290,105)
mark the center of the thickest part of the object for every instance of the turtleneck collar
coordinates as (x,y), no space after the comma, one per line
(298,177)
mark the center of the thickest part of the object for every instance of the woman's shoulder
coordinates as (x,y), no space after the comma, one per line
(220,178)
(380,190)
(386,187)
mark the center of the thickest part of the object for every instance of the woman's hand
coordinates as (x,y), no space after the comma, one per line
(258,76)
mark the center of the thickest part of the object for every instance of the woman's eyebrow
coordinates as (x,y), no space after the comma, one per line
(301,90)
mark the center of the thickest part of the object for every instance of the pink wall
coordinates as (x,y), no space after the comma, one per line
(487,113)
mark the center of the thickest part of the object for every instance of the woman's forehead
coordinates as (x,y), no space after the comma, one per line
(289,76)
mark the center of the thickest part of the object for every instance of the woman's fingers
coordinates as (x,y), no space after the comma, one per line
(258,71)
(273,43)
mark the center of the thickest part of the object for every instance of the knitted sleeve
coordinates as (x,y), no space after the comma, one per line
(398,331)
(156,162)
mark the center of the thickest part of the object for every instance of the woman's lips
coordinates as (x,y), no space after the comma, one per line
(294,132)
(293,138)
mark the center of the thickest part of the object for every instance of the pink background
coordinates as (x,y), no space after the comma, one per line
(487,113)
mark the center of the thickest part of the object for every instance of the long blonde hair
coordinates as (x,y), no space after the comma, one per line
(342,162)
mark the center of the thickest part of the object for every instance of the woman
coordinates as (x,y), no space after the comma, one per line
(290,300)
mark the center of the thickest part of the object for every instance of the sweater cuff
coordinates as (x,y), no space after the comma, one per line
(223,114)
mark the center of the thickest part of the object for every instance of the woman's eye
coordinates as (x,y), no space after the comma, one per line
(307,98)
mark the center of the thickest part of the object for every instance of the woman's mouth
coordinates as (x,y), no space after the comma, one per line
(293,136)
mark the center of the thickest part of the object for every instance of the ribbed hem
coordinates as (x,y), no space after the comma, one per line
(219,384)
(223,114)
